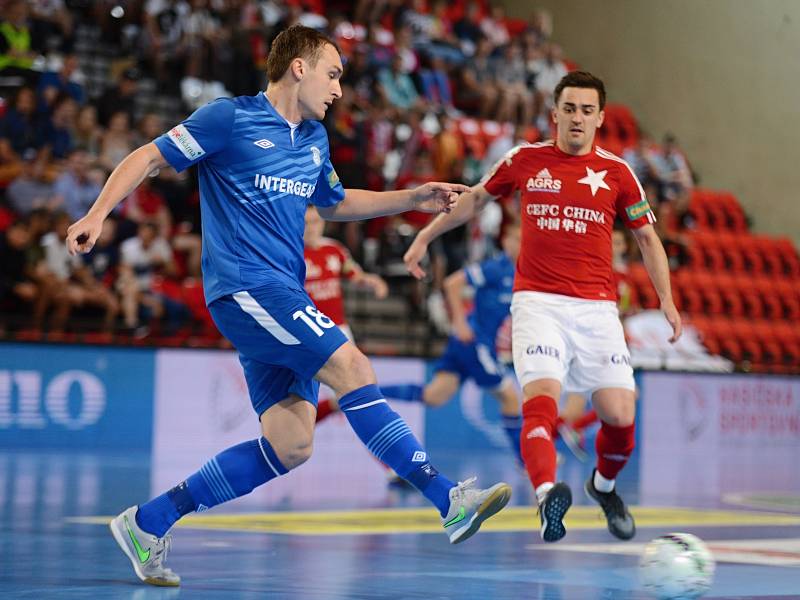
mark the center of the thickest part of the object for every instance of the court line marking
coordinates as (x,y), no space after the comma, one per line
(425,520)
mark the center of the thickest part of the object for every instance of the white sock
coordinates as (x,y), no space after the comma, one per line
(542,490)
(601,484)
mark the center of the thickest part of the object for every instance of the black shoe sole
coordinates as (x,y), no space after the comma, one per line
(555,506)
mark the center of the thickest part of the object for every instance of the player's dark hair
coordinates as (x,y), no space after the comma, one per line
(295,42)
(581,79)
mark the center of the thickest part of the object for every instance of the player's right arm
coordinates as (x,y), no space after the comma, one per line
(468,205)
(205,133)
(82,234)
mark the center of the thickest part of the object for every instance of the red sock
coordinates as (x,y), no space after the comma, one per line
(584,420)
(539,416)
(614,446)
(324,410)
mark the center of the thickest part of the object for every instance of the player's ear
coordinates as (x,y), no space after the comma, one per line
(298,68)
(600,118)
(553,113)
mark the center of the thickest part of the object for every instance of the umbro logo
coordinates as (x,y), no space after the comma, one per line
(419,457)
(265,144)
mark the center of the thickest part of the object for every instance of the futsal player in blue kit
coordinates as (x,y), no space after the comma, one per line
(471,350)
(262,160)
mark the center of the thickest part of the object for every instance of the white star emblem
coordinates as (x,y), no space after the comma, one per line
(595,180)
(333,264)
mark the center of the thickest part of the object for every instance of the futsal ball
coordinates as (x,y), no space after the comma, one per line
(676,566)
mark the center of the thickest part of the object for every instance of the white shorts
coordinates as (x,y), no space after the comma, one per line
(578,342)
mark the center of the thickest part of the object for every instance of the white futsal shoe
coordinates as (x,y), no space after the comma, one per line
(146,552)
(471,506)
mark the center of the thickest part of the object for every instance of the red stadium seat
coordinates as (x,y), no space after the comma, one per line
(730,294)
(770,254)
(752,254)
(707,332)
(788,254)
(787,336)
(691,298)
(744,332)
(729,246)
(640,281)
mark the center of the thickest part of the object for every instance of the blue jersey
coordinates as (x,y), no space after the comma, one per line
(493,281)
(255,185)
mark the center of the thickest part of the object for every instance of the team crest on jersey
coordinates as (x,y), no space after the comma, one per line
(544,182)
(316,156)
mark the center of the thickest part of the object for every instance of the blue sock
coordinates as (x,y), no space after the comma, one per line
(513,427)
(232,473)
(388,437)
(408,392)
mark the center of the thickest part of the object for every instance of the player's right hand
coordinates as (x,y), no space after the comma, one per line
(82,234)
(463,332)
(413,256)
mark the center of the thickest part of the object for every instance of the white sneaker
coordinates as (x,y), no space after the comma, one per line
(471,506)
(146,552)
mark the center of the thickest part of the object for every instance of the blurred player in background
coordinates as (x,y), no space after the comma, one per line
(471,350)
(564,316)
(263,160)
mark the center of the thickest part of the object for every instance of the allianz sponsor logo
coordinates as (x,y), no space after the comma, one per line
(544,182)
(282,185)
(73,399)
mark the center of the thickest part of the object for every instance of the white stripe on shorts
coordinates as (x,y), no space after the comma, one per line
(266,320)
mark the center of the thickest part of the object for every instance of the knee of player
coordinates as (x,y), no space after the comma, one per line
(358,369)
(620,416)
(296,453)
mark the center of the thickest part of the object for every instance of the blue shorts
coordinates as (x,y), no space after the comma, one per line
(472,360)
(282,339)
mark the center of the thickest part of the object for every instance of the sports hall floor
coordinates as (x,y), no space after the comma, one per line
(54,542)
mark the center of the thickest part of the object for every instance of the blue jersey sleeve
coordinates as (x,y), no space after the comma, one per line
(203,134)
(486,273)
(329,190)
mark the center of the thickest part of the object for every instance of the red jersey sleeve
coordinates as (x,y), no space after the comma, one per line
(632,205)
(500,180)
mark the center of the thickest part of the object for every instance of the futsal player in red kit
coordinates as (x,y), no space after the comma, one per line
(566,331)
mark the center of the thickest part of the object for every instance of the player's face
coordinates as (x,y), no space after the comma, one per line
(577,116)
(511,242)
(314,227)
(319,86)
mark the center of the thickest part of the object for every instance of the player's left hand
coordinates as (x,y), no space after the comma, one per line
(674,319)
(437,197)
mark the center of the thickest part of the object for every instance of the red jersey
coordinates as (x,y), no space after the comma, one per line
(568,205)
(325,267)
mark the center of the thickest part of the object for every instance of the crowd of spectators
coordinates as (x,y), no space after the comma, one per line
(431,90)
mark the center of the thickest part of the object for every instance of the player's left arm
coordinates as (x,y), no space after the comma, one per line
(433,197)
(655,261)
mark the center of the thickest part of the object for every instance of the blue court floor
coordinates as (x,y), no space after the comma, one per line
(54,541)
